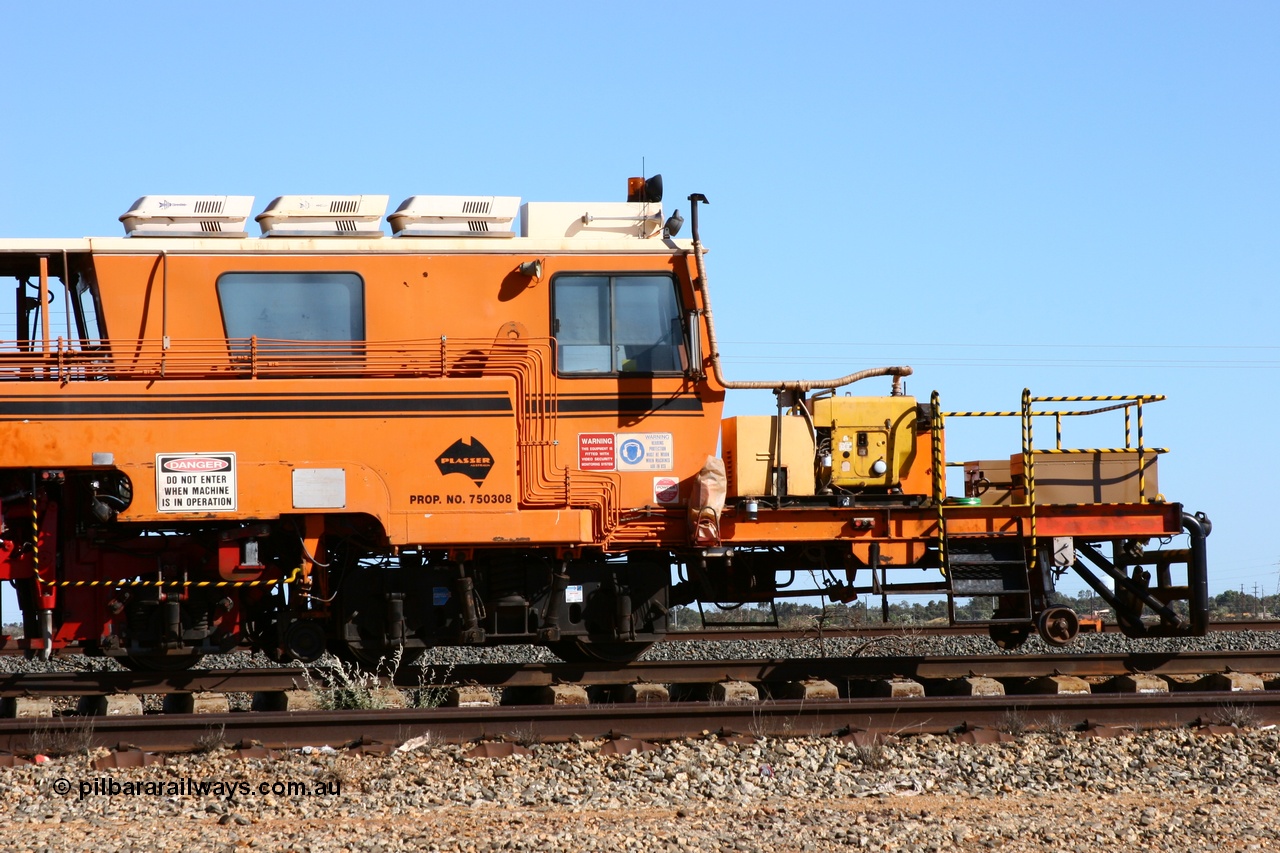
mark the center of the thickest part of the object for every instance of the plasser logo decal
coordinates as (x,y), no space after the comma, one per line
(472,459)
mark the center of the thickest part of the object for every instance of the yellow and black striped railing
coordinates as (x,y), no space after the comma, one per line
(167,584)
(1029,471)
(936,425)
(46,583)
(1132,405)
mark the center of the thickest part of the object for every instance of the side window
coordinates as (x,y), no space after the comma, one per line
(87,310)
(292,306)
(617,324)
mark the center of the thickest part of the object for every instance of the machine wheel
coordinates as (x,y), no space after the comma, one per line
(159,662)
(1058,626)
(305,641)
(582,650)
(1009,637)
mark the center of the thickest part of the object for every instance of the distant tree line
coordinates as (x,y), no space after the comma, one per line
(1224,607)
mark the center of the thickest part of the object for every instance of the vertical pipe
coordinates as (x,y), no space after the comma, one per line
(43,594)
(773,486)
(164,311)
(22,320)
(1198,527)
(164,301)
(1128,430)
(66,284)
(1142,462)
(35,531)
(44,304)
(1029,468)
(939,472)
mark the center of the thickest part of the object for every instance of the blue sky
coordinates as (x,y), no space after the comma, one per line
(1082,198)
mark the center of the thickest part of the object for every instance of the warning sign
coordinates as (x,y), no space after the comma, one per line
(195,482)
(645,451)
(666,490)
(595,451)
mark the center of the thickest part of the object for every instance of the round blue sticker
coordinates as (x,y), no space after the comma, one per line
(631,451)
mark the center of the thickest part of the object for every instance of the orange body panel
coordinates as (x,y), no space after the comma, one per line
(417,301)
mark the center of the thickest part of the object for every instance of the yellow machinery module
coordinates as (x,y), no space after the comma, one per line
(870,441)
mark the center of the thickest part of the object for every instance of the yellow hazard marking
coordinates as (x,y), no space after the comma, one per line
(1107,450)
(197,584)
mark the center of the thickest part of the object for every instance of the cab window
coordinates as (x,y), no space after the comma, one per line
(616,324)
(292,306)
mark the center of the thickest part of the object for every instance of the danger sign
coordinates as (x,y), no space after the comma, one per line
(195,482)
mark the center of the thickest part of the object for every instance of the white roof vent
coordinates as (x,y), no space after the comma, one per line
(618,220)
(456,216)
(188,216)
(324,216)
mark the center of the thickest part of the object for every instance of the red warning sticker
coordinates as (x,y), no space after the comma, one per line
(596,451)
(666,490)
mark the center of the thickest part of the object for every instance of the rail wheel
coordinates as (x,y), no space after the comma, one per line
(582,650)
(304,640)
(1009,637)
(1058,626)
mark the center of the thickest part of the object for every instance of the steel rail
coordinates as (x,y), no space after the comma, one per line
(908,631)
(187,681)
(839,670)
(845,669)
(666,721)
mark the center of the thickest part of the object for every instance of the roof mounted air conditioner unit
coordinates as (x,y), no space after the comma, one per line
(324,216)
(456,216)
(188,216)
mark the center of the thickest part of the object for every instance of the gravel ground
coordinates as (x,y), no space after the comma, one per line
(1175,790)
(1166,790)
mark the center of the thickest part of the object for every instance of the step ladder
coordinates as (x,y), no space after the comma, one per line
(993,567)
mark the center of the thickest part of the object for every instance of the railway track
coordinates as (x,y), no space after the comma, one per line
(1035,691)
(838,670)
(882,630)
(13,646)
(938,714)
